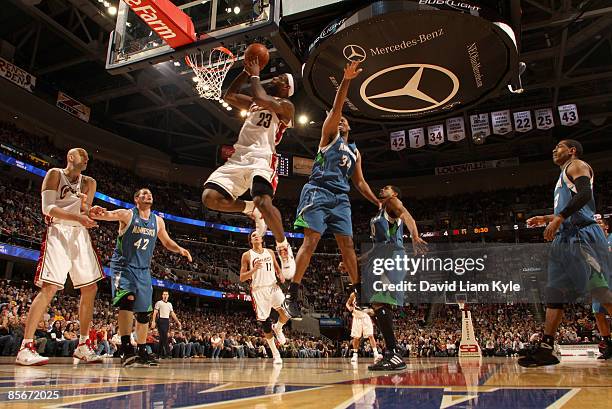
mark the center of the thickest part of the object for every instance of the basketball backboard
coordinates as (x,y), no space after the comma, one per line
(134,44)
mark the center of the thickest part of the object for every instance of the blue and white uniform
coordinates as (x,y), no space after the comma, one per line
(324,202)
(387,234)
(131,261)
(578,260)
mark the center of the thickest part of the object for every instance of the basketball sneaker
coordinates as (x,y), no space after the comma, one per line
(354,358)
(260,223)
(85,353)
(390,362)
(285,253)
(28,356)
(278,331)
(606,350)
(377,356)
(542,356)
(293,307)
(128,360)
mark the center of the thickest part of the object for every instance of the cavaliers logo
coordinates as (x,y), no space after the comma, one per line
(66,189)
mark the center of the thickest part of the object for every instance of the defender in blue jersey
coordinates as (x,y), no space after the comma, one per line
(578,259)
(324,202)
(139,229)
(605,346)
(387,233)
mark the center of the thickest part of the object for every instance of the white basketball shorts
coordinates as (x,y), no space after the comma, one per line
(266,298)
(362,327)
(67,249)
(236,175)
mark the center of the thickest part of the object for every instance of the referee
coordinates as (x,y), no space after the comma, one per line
(165,310)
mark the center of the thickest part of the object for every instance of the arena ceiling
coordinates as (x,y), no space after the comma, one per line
(566,45)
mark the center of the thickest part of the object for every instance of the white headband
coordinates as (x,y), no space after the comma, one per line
(291,83)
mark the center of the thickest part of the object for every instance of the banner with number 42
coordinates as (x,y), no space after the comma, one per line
(398,140)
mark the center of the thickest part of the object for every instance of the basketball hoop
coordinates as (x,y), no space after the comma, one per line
(210,69)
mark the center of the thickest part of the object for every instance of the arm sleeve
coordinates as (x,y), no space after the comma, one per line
(48,201)
(584,193)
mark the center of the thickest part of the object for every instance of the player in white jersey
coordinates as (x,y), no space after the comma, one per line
(361,327)
(253,164)
(260,266)
(67,196)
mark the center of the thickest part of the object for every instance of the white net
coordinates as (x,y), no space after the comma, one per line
(210,68)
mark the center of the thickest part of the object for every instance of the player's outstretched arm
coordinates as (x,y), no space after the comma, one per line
(167,242)
(330,126)
(361,185)
(233,96)
(282,107)
(119,215)
(396,207)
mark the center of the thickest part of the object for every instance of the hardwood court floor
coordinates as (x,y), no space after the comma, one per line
(307,383)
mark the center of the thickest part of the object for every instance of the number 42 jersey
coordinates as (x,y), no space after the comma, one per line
(136,243)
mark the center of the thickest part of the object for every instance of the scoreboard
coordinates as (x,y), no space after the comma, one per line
(283,164)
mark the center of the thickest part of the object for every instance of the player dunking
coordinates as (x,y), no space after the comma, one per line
(139,229)
(324,201)
(578,258)
(260,266)
(387,229)
(66,248)
(253,164)
(361,327)
(600,312)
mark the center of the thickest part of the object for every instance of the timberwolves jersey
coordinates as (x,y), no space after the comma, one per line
(136,242)
(334,165)
(265,275)
(564,191)
(386,230)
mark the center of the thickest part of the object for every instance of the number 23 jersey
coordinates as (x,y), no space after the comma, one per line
(261,132)
(136,243)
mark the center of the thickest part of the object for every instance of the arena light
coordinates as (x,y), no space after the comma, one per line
(229,108)
(225,104)
(236,10)
(194,79)
(112,10)
(106,4)
(243,113)
(177,64)
(302,119)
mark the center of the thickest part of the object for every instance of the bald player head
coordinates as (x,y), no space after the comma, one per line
(77,159)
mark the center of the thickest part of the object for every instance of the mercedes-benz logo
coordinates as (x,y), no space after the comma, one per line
(353,52)
(411,89)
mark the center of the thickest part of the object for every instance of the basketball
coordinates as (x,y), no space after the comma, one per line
(259,51)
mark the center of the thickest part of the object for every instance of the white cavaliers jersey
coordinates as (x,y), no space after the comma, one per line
(265,276)
(261,132)
(67,198)
(358,313)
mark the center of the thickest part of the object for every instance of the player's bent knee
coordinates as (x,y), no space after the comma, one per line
(126,303)
(90,289)
(267,326)
(143,317)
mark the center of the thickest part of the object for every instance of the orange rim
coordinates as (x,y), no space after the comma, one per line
(203,68)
